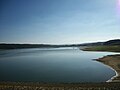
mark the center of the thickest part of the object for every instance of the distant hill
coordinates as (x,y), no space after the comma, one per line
(112,42)
(20,46)
(92,44)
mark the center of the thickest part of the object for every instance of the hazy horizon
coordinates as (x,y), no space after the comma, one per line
(59,21)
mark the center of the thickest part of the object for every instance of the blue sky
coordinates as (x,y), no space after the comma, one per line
(58,21)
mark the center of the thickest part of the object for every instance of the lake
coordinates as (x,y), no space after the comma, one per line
(53,65)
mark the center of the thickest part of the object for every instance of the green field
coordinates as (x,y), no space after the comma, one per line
(115,48)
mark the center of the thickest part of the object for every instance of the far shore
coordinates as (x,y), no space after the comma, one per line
(103,48)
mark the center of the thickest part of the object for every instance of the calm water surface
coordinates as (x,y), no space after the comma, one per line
(53,65)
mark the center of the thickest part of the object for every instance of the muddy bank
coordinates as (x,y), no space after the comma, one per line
(114,62)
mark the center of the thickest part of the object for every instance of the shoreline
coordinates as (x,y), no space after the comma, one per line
(115,76)
(112,61)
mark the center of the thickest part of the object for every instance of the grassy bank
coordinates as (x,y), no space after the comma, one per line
(115,48)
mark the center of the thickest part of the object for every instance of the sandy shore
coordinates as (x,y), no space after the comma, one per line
(64,86)
(114,62)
